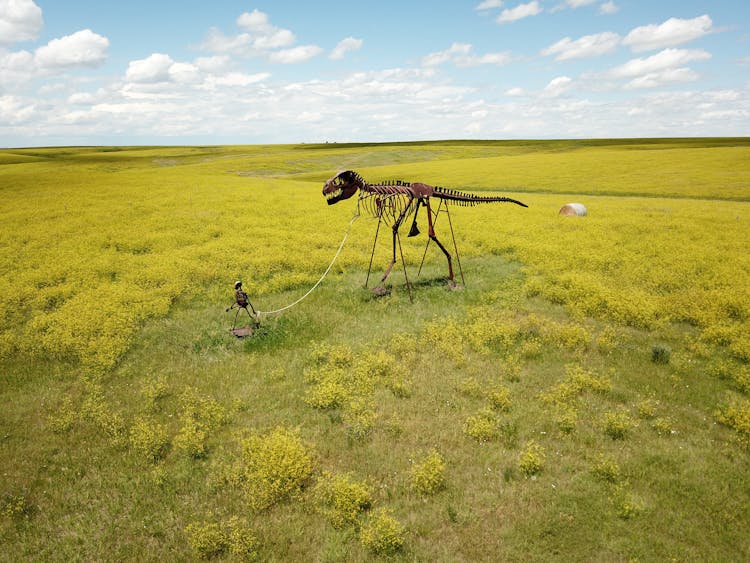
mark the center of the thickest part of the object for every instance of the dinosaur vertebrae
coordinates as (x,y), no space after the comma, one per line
(389,199)
(468,199)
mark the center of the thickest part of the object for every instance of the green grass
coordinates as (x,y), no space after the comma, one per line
(79,484)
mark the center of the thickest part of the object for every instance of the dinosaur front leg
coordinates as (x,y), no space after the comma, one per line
(380,289)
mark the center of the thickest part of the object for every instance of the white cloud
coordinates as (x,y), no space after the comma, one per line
(728,114)
(101,95)
(83,48)
(489,4)
(137,110)
(724,95)
(442,57)
(77,118)
(344,46)
(152,91)
(260,39)
(401,103)
(217,42)
(257,22)
(575,4)
(661,78)
(18,60)
(16,69)
(184,73)
(310,116)
(558,86)
(672,32)
(391,74)
(262,34)
(215,64)
(585,47)
(295,54)
(392,85)
(519,12)
(498,59)
(461,55)
(662,61)
(20,20)
(154,68)
(234,79)
(81,98)
(608,8)
(14,110)
(158,75)
(276,40)
(473,128)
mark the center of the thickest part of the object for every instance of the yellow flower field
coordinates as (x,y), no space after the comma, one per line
(96,242)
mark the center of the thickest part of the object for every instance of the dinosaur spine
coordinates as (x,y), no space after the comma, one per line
(470,199)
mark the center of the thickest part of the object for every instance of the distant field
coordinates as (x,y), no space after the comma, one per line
(585,396)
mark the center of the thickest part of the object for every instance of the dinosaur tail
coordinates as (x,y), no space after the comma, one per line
(463,198)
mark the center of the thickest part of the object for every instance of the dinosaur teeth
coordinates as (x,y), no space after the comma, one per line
(333,195)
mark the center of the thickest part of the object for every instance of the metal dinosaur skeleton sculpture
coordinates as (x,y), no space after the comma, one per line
(397,201)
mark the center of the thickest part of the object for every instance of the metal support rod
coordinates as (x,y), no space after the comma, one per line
(372,254)
(403,263)
(455,246)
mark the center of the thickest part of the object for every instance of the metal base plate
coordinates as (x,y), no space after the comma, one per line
(242,331)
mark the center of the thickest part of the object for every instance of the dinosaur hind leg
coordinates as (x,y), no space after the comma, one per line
(451,281)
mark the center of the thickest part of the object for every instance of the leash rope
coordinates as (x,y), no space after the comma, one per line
(328,269)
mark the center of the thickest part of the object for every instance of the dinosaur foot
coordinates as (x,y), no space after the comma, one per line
(453,286)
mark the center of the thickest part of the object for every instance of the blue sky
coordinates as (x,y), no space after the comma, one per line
(101,72)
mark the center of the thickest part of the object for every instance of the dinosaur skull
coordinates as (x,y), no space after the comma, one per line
(342,186)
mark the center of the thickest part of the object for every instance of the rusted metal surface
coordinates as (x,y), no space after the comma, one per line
(396,201)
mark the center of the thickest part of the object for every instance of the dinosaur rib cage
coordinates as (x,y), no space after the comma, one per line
(387,202)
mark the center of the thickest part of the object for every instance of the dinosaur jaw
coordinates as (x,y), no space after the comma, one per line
(334,196)
(338,191)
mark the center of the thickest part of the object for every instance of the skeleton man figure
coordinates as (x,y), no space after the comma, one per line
(241,302)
